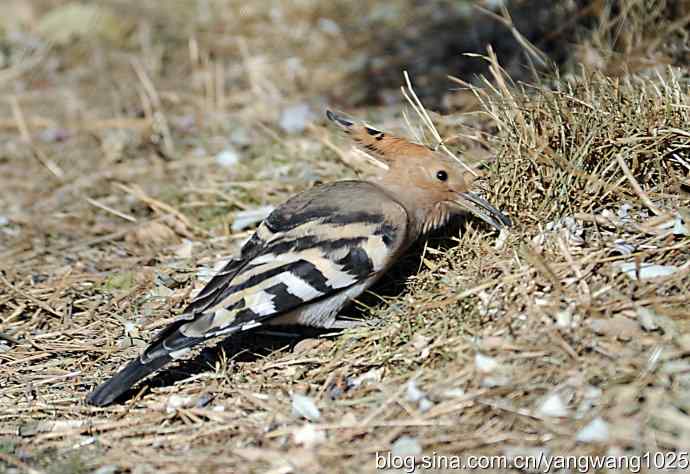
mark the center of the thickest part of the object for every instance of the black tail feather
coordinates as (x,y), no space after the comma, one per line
(157,355)
(112,389)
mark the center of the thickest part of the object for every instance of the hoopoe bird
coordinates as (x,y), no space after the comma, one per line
(319,250)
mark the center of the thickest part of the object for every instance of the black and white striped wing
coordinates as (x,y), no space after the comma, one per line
(306,250)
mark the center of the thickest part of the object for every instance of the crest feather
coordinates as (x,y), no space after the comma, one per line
(380,145)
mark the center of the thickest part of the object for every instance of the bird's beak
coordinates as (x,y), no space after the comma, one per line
(481,208)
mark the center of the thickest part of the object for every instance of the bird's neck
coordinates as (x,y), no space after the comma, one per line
(423,215)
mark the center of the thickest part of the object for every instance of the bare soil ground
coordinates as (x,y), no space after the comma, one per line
(134,136)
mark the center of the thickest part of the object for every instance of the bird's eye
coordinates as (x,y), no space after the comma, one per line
(442,175)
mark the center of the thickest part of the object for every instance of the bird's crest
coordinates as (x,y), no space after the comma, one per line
(381,145)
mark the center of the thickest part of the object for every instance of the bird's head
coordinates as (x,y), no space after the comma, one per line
(431,184)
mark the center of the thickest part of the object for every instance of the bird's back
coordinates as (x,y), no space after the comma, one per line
(308,248)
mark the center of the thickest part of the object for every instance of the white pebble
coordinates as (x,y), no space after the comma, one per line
(597,431)
(680,227)
(647,271)
(244,219)
(647,319)
(371,376)
(552,406)
(413,393)
(308,436)
(107,469)
(502,238)
(484,363)
(294,119)
(623,248)
(454,393)
(425,405)
(564,319)
(177,401)
(131,329)
(406,446)
(228,158)
(328,26)
(305,407)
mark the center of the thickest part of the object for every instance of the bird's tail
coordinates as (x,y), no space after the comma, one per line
(107,392)
(169,345)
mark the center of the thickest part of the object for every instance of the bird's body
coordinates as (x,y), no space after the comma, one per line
(314,253)
(303,251)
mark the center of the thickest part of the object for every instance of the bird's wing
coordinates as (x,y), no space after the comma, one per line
(316,244)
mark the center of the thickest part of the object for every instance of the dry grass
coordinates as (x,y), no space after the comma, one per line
(114,203)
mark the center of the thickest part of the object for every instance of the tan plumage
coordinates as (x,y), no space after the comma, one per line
(319,250)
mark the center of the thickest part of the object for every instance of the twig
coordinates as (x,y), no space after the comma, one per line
(158,115)
(421,111)
(99,205)
(48,163)
(637,188)
(38,303)
(499,75)
(506,19)
(155,203)
(20,120)
(26,258)
(412,129)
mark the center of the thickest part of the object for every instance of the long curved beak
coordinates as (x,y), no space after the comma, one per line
(481,208)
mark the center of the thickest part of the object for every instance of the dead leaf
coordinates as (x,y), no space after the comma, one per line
(152,235)
(308,345)
(618,326)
